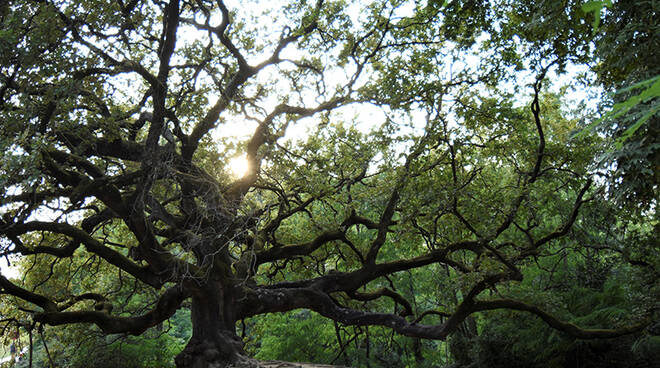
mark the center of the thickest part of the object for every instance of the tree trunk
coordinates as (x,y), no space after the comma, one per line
(214,343)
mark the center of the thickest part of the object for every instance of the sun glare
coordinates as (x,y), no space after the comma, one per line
(238,166)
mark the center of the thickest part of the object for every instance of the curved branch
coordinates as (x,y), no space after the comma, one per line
(289,251)
(536,111)
(398,298)
(540,153)
(282,300)
(10,288)
(91,244)
(261,137)
(220,31)
(348,281)
(245,72)
(555,323)
(78,298)
(168,303)
(388,212)
(563,230)
(431,312)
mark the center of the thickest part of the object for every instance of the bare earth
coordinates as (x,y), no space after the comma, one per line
(280,364)
(253,363)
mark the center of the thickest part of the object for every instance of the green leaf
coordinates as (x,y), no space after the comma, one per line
(596,7)
(642,84)
(621,108)
(630,131)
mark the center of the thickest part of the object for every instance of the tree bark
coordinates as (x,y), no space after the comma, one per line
(214,342)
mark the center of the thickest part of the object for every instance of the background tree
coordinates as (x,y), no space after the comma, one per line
(432,151)
(628,34)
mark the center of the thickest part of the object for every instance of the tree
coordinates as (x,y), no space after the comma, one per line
(419,157)
(629,71)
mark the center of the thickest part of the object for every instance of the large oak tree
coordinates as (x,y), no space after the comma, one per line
(379,138)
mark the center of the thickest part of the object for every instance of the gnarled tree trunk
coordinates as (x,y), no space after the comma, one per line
(214,343)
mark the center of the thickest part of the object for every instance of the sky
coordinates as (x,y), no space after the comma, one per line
(6,271)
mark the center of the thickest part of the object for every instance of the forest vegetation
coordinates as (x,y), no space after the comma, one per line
(397,183)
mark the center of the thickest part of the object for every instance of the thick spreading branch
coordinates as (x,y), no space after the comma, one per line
(566,327)
(91,244)
(167,304)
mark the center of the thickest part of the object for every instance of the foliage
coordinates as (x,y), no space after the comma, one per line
(629,70)
(70,350)
(411,177)
(596,286)
(651,92)
(309,338)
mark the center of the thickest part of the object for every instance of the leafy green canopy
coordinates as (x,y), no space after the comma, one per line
(431,147)
(629,70)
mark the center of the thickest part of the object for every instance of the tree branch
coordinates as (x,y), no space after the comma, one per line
(167,304)
(91,244)
(566,327)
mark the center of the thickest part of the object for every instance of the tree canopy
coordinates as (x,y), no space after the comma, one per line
(408,165)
